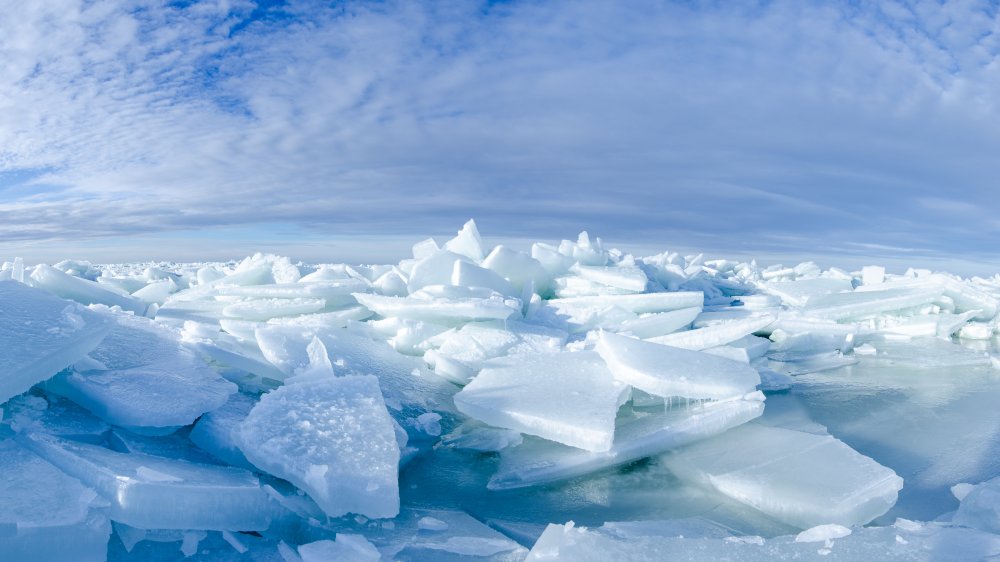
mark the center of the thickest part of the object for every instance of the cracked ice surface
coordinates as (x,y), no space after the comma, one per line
(570,402)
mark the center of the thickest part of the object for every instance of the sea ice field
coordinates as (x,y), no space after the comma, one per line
(474,403)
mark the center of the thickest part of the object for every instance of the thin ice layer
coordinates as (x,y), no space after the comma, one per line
(904,541)
(799,478)
(145,378)
(152,492)
(669,371)
(333,438)
(40,335)
(636,436)
(570,398)
(46,515)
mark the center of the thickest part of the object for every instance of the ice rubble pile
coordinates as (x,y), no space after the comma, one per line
(267,409)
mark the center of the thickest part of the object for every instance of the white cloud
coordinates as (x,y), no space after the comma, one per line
(631,119)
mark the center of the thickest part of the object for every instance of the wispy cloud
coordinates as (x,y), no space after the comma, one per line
(669,122)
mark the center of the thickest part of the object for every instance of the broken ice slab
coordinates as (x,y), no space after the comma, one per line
(462,352)
(218,431)
(798,292)
(980,508)
(519,268)
(843,306)
(570,398)
(716,334)
(152,492)
(659,323)
(798,478)
(637,304)
(144,378)
(409,387)
(665,371)
(265,309)
(744,350)
(331,437)
(581,314)
(639,435)
(46,515)
(174,446)
(334,293)
(465,274)
(346,548)
(448,311)
(627,278)
(904,541)
(436,534)
(40,335)
(80,290)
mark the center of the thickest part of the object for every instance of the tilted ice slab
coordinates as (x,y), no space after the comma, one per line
(660,323)
(408,386)
(152,492)
(716,334)
(842,306)
(81,290)
(904,541)
(798,478)
(55,416)
(669,371)
(442,310)
(641,435)
(265,309)
(46,515)
(334,293)
(570,398)
(579,314)
(333,438)
(40,335)
(145,379)
(463,351)
(798,292)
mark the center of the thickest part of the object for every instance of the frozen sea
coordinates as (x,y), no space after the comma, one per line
(571,402)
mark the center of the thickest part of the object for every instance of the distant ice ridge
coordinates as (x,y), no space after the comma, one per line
(284,411)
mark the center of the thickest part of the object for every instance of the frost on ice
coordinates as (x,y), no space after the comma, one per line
(471,402)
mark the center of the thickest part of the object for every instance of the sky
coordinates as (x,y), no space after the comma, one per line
(848,131)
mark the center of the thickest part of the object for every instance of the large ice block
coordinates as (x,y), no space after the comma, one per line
(571,398)
(670,371)
(144,377)
(40,335)
(152,492)
(333,438)
(639,435)
(799,478)
(45,515)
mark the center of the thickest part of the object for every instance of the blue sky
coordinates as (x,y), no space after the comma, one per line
(132,129)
